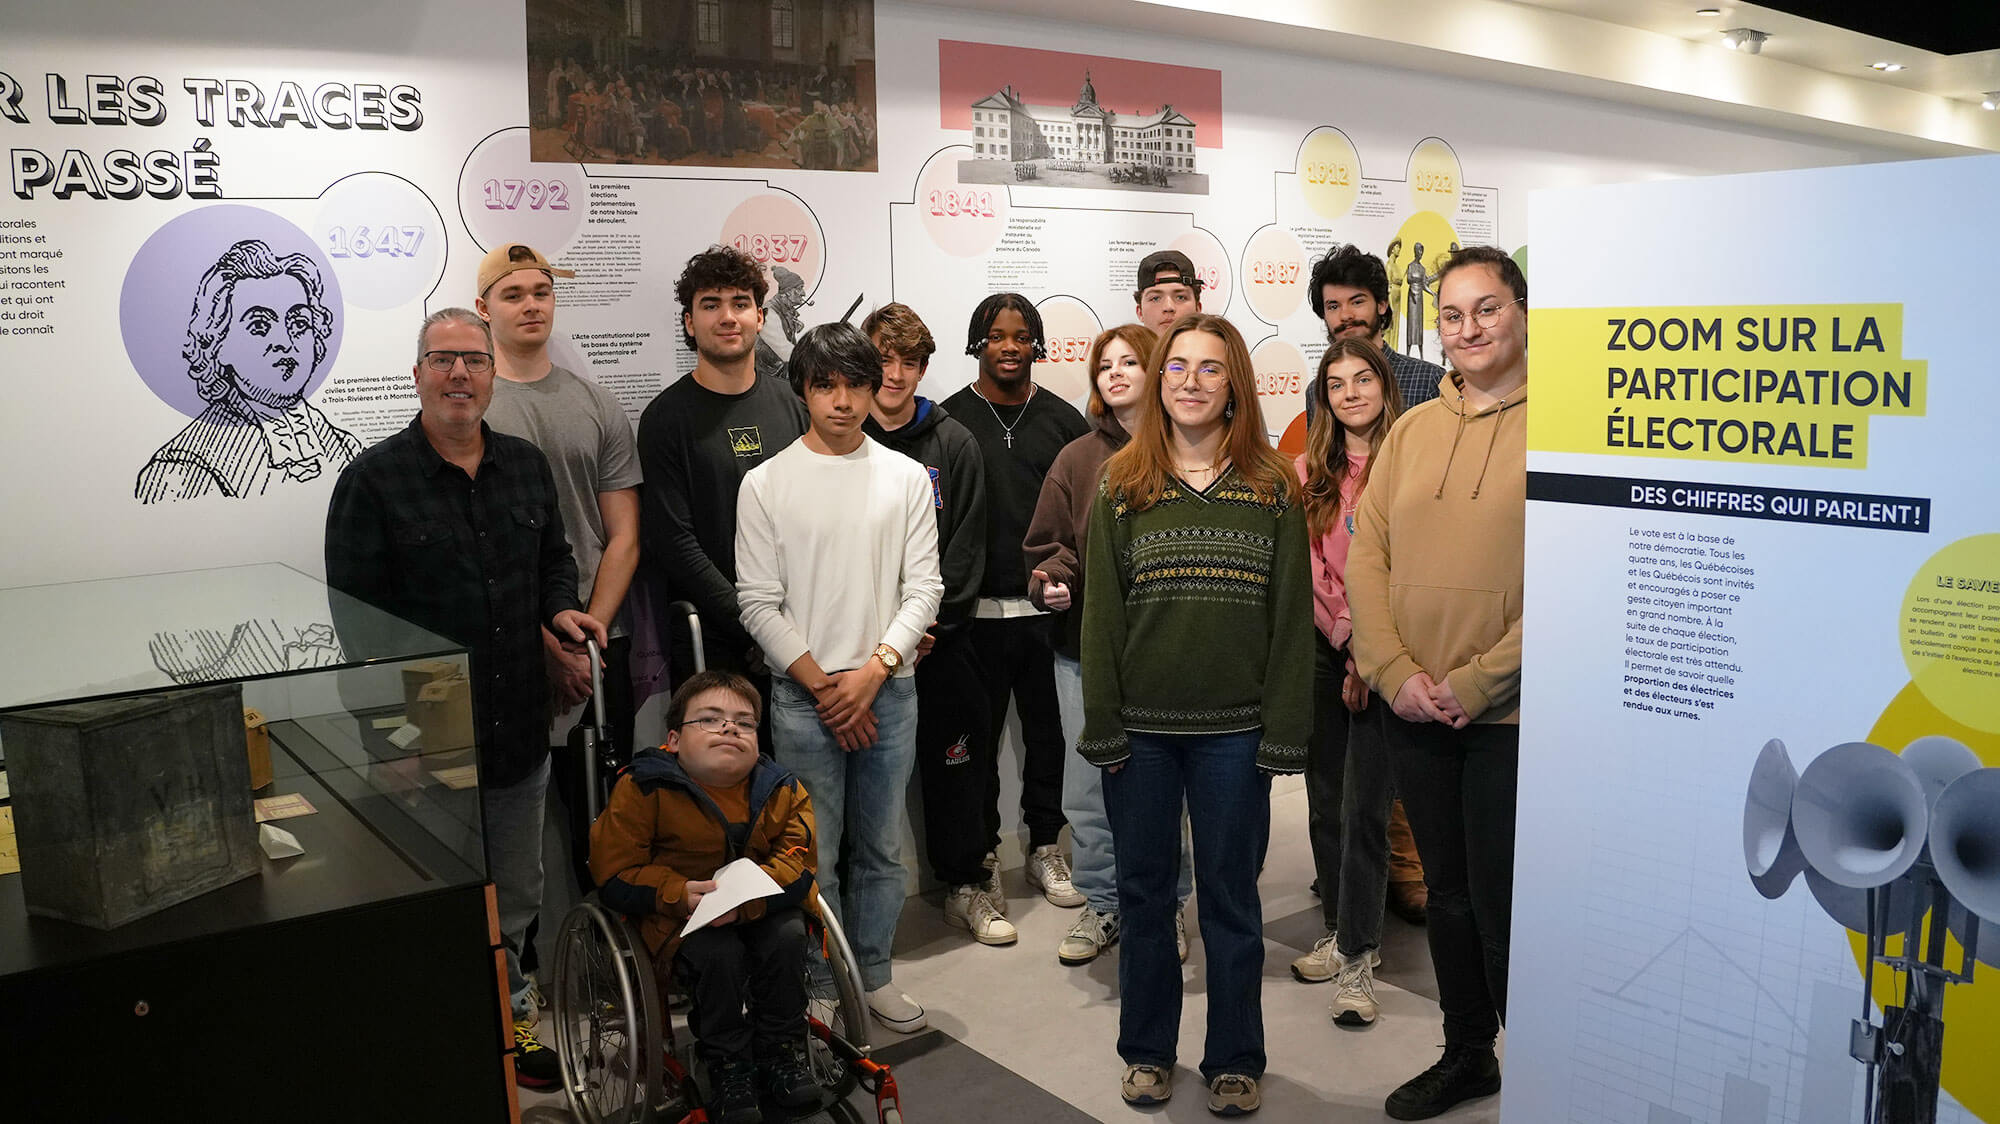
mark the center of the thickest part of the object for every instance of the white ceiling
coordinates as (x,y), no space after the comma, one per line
(1810,78)
(1803,42)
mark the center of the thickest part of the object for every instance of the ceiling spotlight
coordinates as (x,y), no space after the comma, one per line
(1991,100)
(1887,67)
(1746,39)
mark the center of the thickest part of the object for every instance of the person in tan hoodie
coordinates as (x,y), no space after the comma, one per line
(1434,584)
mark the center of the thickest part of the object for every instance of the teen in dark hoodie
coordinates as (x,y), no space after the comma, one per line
(953,722)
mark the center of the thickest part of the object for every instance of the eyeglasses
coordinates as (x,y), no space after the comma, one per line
(1451,321)
(476,362)
(716,723)
(1208,376)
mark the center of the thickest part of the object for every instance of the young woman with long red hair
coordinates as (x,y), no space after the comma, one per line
(1197,673)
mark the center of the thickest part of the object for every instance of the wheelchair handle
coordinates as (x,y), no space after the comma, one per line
(593,737)
(596,683)
(694,631)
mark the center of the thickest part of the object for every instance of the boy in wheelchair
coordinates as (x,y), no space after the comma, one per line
(679,814)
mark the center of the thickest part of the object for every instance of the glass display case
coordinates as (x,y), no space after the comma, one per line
(240,814)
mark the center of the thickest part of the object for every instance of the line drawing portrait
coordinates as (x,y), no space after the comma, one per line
(256,337)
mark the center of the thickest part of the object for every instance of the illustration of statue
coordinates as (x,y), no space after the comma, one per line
(255,339)
(1415,278)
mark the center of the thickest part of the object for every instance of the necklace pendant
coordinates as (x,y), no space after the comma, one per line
(1009,439)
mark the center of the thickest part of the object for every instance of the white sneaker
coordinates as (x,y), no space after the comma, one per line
(969,908)
(1090,935)
(1319,965)
(1180,933)
(1354,1004)
(1048,870)
(895,1010)
(992,886)
(528,1005)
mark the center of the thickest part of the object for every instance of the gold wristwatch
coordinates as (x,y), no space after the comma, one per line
(889,658)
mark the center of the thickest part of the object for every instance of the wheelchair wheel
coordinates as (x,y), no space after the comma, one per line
(608,1018)
(837,1006)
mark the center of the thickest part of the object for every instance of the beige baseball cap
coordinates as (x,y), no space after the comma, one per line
(507,258)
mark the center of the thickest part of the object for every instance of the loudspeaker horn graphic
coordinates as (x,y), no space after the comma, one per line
(1860,816)
(1769,849)
(1965,843)
(1963,924)
(1938,760)
(1850,907)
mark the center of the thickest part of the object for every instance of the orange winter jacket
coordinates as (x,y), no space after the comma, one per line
(661,830)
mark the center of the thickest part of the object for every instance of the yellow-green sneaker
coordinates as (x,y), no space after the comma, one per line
(535,1065)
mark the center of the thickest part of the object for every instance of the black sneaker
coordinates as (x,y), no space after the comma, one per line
(535,1065)
(735,1100)
(1463,1073)
(788,1076)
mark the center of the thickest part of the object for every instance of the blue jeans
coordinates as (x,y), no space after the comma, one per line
(1229,802)
(1092,868)
(513,821)
(857,799)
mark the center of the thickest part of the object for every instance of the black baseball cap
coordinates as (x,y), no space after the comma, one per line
(1171,262)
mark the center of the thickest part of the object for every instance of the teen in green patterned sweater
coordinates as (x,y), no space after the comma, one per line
(1197,674)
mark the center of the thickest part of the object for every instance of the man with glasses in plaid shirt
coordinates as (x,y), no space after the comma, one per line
(455,528)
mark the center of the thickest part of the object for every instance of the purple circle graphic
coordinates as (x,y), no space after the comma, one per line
(162,296)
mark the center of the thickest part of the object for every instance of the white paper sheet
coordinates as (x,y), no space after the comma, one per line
(277,842)
(739,882)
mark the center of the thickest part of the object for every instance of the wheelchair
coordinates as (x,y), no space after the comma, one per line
(626,1059)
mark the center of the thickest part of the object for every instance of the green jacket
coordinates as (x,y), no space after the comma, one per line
(1199,621)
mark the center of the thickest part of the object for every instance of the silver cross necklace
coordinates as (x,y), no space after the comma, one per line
(1007,431)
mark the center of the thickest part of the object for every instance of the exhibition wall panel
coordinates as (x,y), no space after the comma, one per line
(1761,646)
(174,169)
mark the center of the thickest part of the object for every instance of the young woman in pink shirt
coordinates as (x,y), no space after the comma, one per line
(1348,787)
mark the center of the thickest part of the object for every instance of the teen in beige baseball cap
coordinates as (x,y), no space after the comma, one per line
(507,258)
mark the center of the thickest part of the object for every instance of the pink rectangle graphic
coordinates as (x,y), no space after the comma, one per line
(968,72)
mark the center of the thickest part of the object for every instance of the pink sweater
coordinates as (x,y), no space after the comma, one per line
(1329,560)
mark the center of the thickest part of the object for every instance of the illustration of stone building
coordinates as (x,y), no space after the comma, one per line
(1004,127)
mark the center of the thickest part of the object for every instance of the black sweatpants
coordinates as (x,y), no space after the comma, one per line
(1017,663)
(758,965)
(954,759)
(1458,787)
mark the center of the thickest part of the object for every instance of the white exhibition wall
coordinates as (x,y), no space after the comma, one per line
(96,388)
(1703,605)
